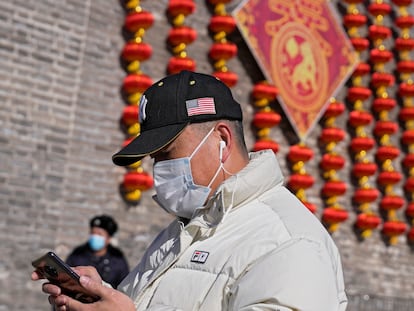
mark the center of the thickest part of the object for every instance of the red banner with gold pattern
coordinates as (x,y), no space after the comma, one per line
(301,47)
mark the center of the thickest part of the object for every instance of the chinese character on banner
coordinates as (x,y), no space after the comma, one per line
(301,48)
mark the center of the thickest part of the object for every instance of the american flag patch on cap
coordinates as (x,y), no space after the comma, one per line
(197,106)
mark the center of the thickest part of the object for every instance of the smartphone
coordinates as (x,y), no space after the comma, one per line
(51,267)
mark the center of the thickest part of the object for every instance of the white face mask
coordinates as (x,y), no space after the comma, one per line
(176,191)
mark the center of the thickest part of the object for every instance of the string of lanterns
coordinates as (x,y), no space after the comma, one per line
(404,44)
(359,119)
(221,25)
(134,52)
(331,163)
(180,36)
(384,128)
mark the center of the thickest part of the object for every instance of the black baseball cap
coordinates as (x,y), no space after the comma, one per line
(169,105)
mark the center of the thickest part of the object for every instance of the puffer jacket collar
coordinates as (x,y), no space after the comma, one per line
(261,174)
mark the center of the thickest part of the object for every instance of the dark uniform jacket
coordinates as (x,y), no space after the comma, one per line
(112,267)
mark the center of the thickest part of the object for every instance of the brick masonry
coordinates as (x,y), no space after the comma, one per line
(60,80)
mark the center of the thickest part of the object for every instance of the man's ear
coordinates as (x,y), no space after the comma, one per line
(226,140)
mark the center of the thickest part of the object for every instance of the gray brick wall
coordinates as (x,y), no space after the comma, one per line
(60,105)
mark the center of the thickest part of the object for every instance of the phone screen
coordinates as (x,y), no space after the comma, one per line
(58,272)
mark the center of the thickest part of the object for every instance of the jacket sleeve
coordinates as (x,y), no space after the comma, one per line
(301,275)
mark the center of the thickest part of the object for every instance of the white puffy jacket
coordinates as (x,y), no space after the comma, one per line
(269,253)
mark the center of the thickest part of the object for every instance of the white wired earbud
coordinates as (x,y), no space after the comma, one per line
(222,146)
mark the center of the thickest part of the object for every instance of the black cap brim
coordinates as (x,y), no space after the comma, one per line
(146,143)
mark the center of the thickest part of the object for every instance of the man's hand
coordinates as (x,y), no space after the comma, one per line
(91,283)
(110,299)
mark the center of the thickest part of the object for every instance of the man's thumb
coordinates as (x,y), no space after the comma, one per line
(92,287)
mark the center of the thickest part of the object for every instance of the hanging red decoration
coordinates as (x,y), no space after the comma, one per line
(366,195)
(392,229)
(362,169)
(137,21)
(367,222)
(221,25)
(391,202)
(180,36)
(264,118)
(134,52)
(332,161)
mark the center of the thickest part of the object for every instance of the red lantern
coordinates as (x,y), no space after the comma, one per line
(404,44)
(387,152)
(382,79)
(225,23)
(263,144)
(406,89)
(407,114)
(391,202)
(367,221)
(380,56)
(402,2)
(177,64)
(365,195)
(358,93)
(408,137)
(333,188)
(410,210)
(334,109)
(332,135)
(184,7)
(133,51)
(379,32)
(362,143)
(136,83)
(359,118)
(360,44)
(354,20)
(409,161)
(138,20)
(333,215)
(332,162)
(389,178)
(300,181)
(137,181)
(385,128)
(379,9)
(227,77)
(183,34)
(405,66)
(394,228)
(364,169)
(264,119)
(130,115)
(300,153)
(384,104)
(224,50)
(404,21)
(263,90)
(362,69)
(409,184)
(410,235)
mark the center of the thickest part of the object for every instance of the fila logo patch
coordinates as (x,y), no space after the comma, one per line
(199,256)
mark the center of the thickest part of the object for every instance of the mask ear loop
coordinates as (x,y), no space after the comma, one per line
(201,143)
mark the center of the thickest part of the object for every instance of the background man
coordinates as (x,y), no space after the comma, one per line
(98,252)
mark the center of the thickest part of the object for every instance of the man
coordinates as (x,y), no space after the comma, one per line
(108,260)
(241,240)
